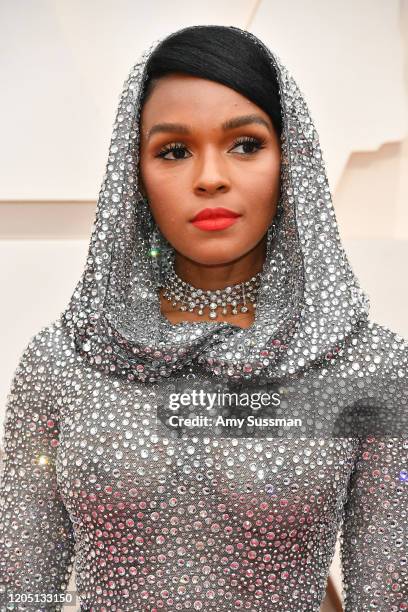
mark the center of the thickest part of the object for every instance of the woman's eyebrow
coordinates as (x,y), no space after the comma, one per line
(227,125)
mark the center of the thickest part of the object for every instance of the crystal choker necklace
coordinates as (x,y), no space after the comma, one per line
(190,298)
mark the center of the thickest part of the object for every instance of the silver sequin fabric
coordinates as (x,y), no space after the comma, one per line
(157,521)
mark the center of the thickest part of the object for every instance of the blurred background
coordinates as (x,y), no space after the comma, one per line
(62,67)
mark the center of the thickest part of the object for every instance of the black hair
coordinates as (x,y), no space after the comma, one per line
(221,54)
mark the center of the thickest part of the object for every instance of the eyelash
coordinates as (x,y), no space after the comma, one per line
(259,142)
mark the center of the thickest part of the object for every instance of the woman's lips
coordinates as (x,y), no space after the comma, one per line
(216,223)
(211,219)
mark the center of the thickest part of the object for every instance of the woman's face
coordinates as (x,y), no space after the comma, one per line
(190,161)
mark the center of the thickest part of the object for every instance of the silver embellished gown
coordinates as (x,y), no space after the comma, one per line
(157,518)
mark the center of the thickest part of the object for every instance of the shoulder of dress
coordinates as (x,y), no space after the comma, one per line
(51,337)
(49,348)
(387,344)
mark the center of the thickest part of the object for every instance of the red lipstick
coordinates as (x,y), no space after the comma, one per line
(210,219)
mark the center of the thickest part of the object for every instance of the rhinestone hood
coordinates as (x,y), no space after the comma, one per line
(309,303)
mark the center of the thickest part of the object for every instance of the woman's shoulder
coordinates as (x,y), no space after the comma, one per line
(52,337)
(387,347)
(40,372)
(48,348)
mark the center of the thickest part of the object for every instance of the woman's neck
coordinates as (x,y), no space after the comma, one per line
(219,276)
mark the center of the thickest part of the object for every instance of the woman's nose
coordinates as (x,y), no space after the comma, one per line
(211,174)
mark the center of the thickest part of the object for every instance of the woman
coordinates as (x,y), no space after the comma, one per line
(215,266)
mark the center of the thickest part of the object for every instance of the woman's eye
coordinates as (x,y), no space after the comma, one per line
(178,150)
(249,143)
